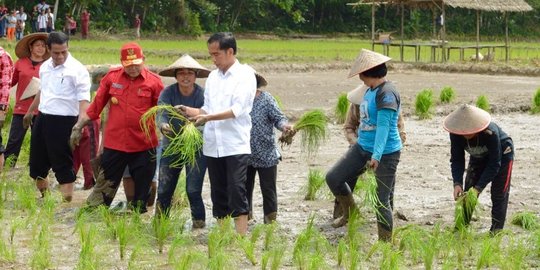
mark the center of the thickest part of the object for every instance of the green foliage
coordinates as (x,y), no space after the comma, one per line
(483,103)
(447,94)
(316,180)
(313,131)
(465,206)
(424,103)
(341,109)
(536,102)
(528,220)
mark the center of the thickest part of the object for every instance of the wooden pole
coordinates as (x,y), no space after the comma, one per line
(477,34)
(506,41)
(443,32)
(373,26)
(402,31)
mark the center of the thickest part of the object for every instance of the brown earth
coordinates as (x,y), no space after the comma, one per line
(423,190)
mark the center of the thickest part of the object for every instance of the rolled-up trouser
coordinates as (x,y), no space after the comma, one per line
(168,179)
(142,166)
(228,185)
(267,181)
(352,165)
(500,185)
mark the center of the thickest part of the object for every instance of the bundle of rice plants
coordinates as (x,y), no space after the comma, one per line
(184,144)
(527,220)
(163,228)
(313,131)
(447,94)
(316,180)
(465,206)
(483,103)
(423,104)
(368,185)
(536,102)
(342,106)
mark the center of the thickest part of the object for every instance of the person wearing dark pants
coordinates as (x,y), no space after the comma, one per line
(63,98)
(184,92)
(377,147)
(491,158)
(32,52)
(131,90)
(228,99)
(265,156)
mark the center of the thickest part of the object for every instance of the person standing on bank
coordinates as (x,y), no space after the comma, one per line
(32,52)
(378,145)
(85,23)
(131,90)
(6,72)
(265,155)
(491,153)
(228,99)
(184,92)
(63,98)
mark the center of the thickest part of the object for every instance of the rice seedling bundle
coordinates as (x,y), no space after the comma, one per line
(369,186)
(313,131)
(483,103)
(527,220)
(464,209)
(341,109)
(163,228)
(315,181)
(447,94)
(536,102)
(423,104)
(184,145)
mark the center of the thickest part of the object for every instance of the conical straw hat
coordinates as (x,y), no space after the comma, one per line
(366,60)
(185,61)
(356,95)
(22,49)
(467,120)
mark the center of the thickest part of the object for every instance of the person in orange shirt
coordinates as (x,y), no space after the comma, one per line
(131,90)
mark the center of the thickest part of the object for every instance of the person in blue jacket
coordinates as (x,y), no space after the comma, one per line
(378,145)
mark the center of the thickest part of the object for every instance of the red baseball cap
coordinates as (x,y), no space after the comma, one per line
(131,54)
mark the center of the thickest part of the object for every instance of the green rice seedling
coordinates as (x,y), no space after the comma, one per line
(410,240)
(316,180)
(134,260)
(108,219)
(515,254)
(353,227)
(341,251)
(482,102)
(390,258)
(313,131)
(310,244)
(277,256)
(163,229)
(184,144)
(50,202)
(535,108)
(465,206)
(87,255)
(249,244)
(489,248)
(535,239)
(180,244)
(41,256)
(122,233)
(25,197)
(342,106)
(368,186)
(7,252)
(191,259)
(16,224)
(269,234)
(424,103)
(220,237)
(447,94)
(180,200)
(527,220)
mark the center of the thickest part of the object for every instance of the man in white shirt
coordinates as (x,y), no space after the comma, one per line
(228,99)
(64,95)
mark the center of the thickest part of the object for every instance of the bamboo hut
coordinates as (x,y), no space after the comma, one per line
(504,6)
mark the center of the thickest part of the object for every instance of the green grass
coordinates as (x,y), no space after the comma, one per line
(482,102)
(447,94)
(535,108)
(342,106)
(424,104)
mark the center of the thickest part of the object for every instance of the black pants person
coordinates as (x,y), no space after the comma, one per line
(15,139)
(267,180)
(500,186)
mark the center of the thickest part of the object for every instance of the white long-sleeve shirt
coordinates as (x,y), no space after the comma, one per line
(233,90)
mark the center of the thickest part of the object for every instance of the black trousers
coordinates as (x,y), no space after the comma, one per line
(142,167)
(500,186)
(49,147)
(228,185)
(267,181)
(15,139)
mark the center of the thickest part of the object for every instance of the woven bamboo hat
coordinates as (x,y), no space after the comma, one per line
(356,95)
(261,81)
(366,60)
(467,120)
(22,49)
(185,61)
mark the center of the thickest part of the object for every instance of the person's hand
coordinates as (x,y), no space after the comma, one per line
(458,192)
(373,163)
(27,120)
(403,136)
(183,110)
(289,130)
(200,119)
(166,129)
(75,138)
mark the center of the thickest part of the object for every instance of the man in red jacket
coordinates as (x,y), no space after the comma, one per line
(131,90)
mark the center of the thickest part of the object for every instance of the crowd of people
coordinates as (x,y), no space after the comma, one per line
(237,117)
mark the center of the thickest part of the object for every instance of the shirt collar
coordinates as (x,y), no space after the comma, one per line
(232,69)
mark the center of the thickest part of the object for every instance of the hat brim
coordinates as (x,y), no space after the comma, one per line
(22,49)
(467,120)
(356,95)
(132,62)
(171,72)
(367,60)
(261,81)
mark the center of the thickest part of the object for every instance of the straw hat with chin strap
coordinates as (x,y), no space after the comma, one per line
(367,60)
(22,49)
(356,95)
(188,62)
(467,120)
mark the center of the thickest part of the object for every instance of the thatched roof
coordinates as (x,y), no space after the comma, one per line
(485,5)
